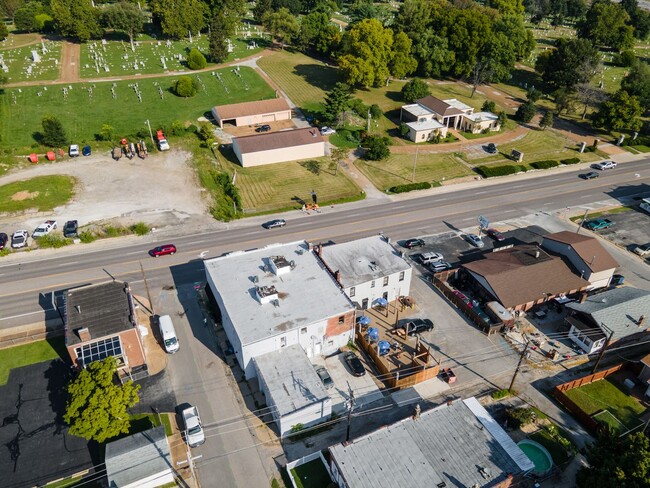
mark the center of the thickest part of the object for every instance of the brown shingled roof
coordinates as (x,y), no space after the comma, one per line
(588,248)
(234,110)
(519,275)
(278,140)
(438,106)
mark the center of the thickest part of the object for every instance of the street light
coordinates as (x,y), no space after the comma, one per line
(150,133)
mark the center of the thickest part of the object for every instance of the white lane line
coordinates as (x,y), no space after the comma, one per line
(134,252)
(26,314)
(68,264)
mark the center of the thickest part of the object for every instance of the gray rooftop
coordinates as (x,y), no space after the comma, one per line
(291,379)
(618,308)
(137,456)
(103,309)
(307,293)
(447,444)
(417,109)
(363,260)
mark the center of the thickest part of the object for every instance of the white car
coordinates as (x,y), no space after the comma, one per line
(193,429)
(439,266)
(642,250)
(603,165)
(19,239)
(163,145)
(474,240)
(74,150)
(326,131)
(45,228)
(430,257)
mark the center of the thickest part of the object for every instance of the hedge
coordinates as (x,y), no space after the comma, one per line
(424,185)
(545,164)
(506,169)
(570,161)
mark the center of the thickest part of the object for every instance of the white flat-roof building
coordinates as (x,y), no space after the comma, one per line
(293,391)
(368,269)
(277,296)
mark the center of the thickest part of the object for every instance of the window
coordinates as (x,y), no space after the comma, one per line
(352,292)
(330,343)
(303,330)
(341,319)
(385,280)
(372,284)
(283,341)
(401,276)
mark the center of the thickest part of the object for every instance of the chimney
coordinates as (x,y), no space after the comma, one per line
(583,297)
(84,334)
(337,276)
(640,321)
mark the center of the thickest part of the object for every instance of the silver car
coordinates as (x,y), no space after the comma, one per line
(324,376)
(474,240)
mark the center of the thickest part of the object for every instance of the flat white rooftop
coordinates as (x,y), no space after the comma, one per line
(477,117)
(417,109)
(425,125)
(457,104)
(307,293)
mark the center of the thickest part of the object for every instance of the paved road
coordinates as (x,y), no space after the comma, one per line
(34,275)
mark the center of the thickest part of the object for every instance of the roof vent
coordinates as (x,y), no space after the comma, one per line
(78,307)
(266,294)
(255,279)
(280,265)
(84,334)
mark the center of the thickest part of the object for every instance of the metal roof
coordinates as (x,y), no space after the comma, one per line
(453,444)
(278,140)
(363,260)
(258,107)
(290,379)
(307,293)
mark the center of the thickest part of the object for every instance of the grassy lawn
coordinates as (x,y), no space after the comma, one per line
(26,354)
(311,475)
(304,79)
(279,186)
(593,215)
(76,481)
(144,421)
(19,59)
(398,169)
(120,59)
(18,40)
(42,193)
(606,395)
(83,112)
(552,445)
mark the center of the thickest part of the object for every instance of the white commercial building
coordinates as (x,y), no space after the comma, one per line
(277,296)
(293,391)
(279,147)
(368,269)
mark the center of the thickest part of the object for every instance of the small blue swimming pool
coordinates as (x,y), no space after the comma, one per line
(538,454)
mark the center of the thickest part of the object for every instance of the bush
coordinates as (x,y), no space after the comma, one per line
(359,108)
(376,148)
(196,60)
(87,237)
(375,111)
(140,228)
(506,169)
(52,241)
(107,133)
(404,129)
(526,112)
(570,161)
(520,416)
(186,87)
(424,185)
(5,251)
(545,164)
(489,106)
(625,59)
(414,90)
(499,394)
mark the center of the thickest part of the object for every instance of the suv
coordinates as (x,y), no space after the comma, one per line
(417,326)
(603,165)
(163,250)
(74,150)
(413,243)
(4,238)
(71,228)
(263,128)
(431,257)
(19,239)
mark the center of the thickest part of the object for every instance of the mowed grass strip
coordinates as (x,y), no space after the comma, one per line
(606,395)
(83,114)
(26,354)
(398,169)
(42,193)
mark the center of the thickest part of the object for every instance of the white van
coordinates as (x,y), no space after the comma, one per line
(170,341)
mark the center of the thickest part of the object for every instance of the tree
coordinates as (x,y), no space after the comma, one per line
(507,7)
(564,100)
(282,25)
(97,406)
(10,7)
(414,90)
(526,112)
(125,16)
(25,17)
(637,83)
(547,120)
(219,35)
(376,148)
(4,32)
(468,31)
(522,39)
(402,63)
(78,19)
(54,134)
(107,133)
(260,8)
(615,462)
(607,24)
(413,17)
(338,155)
(317,33)
(177,18)
(186,87)
(503,118)
(533,94)
(573,61)
(489,106)
(337,101)
(621,111)
(196,60)
(433,54)
(589,96)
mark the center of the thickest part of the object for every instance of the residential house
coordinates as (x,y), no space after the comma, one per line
(277,296)
(590,259)
(521,277)
(249,113)
(368,269)
(101,321)
(294,394)
(622,312)
(141,460)
(456,444)
(278,147)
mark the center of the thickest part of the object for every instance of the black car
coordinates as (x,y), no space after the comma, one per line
(274,223)
(324,376)
(589,176)
(354,363)
(263,128)
(491,148)
(4,238)
(417,326)
(413,243)
(71,228)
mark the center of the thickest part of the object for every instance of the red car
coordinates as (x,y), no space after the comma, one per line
(496,235)
(464,298)
(163,250)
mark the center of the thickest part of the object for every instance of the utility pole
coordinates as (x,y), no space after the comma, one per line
(350,406)
(584,217)
(150,133)
(415,163)
(602,351)
(146,287)
(521,358)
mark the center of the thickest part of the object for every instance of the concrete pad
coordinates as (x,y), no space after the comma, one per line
(431,388)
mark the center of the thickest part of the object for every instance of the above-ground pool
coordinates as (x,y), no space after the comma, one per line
(538,455)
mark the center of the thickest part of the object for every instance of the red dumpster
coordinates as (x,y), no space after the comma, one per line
(50,156)
(33,158)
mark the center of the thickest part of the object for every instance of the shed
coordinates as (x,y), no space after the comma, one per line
(50,156)
(278,147)
(33,158)
(249,113)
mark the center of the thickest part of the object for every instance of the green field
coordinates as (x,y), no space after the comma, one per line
(87,106)
(398,169)
(26,354)
(19,59)
(311,475)
(42,193)
(120,59)
(606,395)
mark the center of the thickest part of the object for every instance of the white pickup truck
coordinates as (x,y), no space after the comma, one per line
(45,228)
(193,429)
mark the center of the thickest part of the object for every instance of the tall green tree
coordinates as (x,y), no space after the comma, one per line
(260,8)
(25,16)
(637,84)
(507,7)
(317,33)
(468,31)
(376,148)
(414,17)
(414,90)
(433,54)
(337,101)
(401,63)
(233,11)
(573,61)
(8,8)
(53,134)
(4,32)
(177,18)
(282,25)
(97,406)
(338,155)
(220,32)
(513,28)
(196,59)
(621,111)
(547,120)
(607,24)
(639,18)
(77,19)
(124,16)
(526,111)
(367,52)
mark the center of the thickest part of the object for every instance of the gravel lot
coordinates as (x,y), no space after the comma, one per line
(160,190)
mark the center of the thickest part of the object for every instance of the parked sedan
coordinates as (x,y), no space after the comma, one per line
(464,298)
(417,326)
(4,238)
(439,266)
(354,363)
(643,250)
(19,239)
(603,165)
(324,376)
(413,243)
(71,228)
(589,176)
(474,240)
(272,224)
(327,131)
(163,250)
(496,235)
(491,148)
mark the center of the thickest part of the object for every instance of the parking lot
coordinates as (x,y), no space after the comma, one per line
(629,229)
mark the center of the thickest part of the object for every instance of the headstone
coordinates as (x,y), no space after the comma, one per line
(583,145)
(636,134)
(35,56)
(104,42)
(620,140)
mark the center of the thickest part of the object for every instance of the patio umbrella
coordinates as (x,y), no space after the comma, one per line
(373,334)
(382,302)
(363,320)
